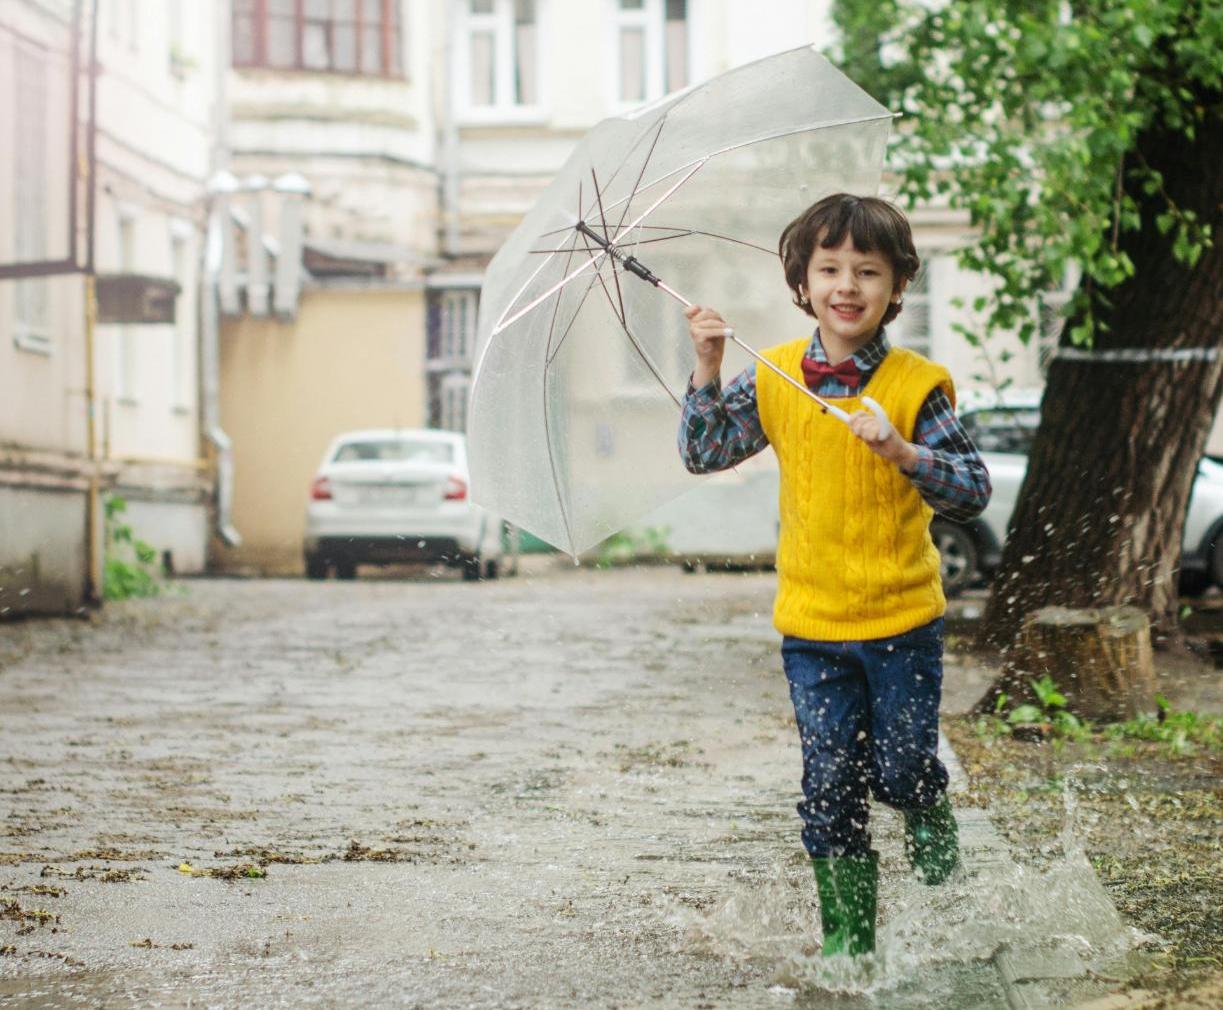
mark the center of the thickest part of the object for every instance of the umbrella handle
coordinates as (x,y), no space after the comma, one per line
(885,426)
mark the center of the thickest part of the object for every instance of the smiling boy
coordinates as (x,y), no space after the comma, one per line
(859,599)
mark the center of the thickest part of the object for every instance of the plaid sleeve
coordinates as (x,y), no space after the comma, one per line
(720,427)
(950,474)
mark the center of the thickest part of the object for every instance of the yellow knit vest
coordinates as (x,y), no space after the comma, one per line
(855,559)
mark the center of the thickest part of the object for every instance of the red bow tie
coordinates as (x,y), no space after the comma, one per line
(814,372)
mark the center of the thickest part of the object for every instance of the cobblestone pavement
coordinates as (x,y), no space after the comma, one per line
(570,788)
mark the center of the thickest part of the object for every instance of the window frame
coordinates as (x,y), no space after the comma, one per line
(652,19)
(918,295)
(390,23)
(500,23)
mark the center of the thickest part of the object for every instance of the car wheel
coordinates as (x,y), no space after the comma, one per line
(491,569)
(1193,582)
(1216,562)
(316,567)
(346,570)
(957,556)
(471,569)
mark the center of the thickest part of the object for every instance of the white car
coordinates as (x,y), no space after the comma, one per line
(1003,428)
(390,496)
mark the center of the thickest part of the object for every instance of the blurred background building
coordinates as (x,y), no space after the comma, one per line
(295,204)
(114,406)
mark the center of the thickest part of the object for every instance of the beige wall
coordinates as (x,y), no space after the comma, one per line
(352,359)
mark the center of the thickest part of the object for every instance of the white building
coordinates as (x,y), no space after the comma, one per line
(112,411)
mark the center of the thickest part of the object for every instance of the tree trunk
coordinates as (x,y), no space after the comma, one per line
(1100,514)
(1100,659)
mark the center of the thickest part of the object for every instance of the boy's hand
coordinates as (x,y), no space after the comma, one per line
(708,331)
(893,448)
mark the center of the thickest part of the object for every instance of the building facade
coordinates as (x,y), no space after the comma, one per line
(323,328)
(86,412)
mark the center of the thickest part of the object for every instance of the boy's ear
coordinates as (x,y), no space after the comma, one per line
(900,290)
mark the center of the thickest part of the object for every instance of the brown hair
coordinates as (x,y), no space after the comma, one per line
(875,226)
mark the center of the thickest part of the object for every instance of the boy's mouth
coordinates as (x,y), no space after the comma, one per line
(848,311)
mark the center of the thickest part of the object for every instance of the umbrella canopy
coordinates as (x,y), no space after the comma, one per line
(581,366)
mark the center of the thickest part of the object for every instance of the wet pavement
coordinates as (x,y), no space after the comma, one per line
(574,788)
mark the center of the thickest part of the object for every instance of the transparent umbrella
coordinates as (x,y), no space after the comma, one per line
(583,354)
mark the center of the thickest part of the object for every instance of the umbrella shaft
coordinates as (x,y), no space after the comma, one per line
(835,411)
(632,264)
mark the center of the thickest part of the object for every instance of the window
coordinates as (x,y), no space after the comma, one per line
(32,318)
(651,49)
(454,402)
(911,328)
(1010,430)
(498,63)
(458,325)
(339,36)
(398,450)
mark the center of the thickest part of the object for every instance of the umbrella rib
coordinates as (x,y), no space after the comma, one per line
(617,306)
(555,350)
(594,261)
(650,364)
(615,274)
(505,322)
(556,478)
(686,232)
(760,140)
(641,175)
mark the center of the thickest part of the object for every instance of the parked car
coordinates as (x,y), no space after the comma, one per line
(1003,428)
(391,496)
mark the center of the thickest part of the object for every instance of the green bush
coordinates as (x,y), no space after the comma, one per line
(131,568)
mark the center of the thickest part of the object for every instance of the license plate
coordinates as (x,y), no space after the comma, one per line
(382,495)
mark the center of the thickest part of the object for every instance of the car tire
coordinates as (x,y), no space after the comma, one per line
(1194,582)
(471,569)
(346,570)
(316,567)
(491,569)
(1216,562)
(958,556)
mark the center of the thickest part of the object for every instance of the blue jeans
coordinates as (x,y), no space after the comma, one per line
(868,721)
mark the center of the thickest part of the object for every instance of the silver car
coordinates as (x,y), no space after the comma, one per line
(391,496)
(1003,428)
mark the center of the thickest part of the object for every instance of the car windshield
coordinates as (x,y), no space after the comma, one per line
(395,450)
(1003,429)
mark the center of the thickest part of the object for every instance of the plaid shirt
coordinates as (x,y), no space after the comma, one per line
(721,427)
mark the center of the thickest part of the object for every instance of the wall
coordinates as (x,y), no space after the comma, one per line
(352,359)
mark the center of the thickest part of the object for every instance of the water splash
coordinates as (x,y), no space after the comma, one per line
(993,906)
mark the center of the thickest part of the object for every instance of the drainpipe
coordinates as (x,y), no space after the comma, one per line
(220,187)
(218,285)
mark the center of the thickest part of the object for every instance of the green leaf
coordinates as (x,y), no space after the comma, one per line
(1025,714)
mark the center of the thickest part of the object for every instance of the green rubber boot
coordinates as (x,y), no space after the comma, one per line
(848,886)
(932,841)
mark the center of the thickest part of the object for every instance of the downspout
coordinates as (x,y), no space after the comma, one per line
(220,187)
(95,530)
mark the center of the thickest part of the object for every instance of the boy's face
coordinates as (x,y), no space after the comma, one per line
(849,292)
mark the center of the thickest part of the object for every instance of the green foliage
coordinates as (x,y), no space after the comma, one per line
(1030,116)
(130,569)
(1050,710)
(1182,732)
(623,547)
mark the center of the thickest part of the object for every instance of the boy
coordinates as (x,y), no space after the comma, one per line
(859,599)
